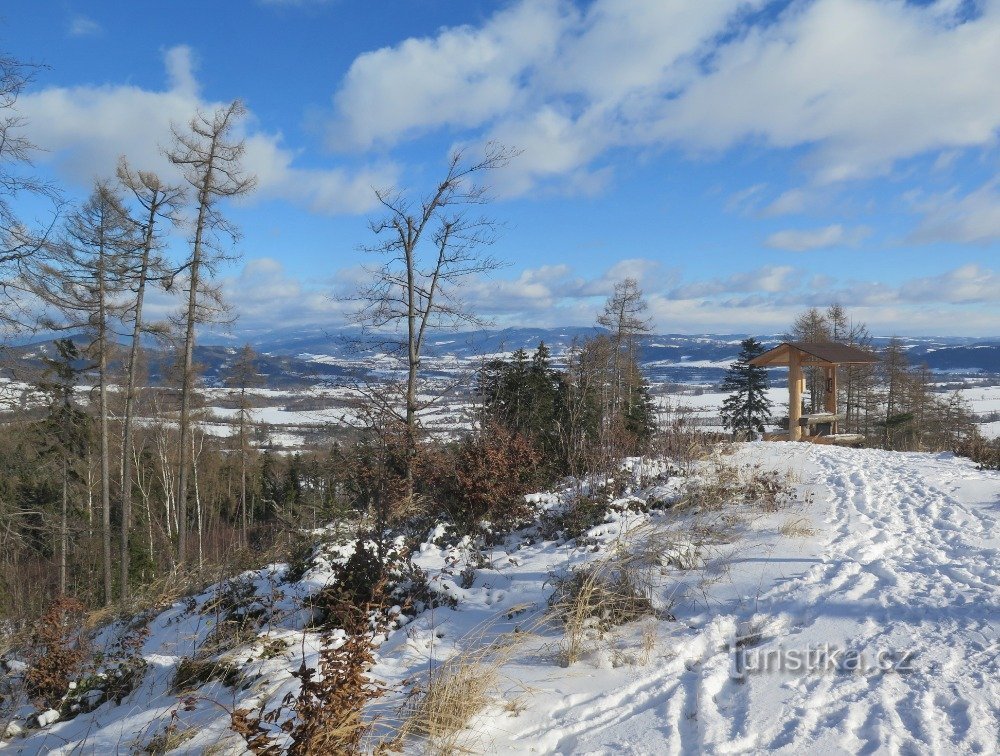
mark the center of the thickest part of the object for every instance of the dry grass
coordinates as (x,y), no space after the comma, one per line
(461,688)
(797,527)
(609,592)
(168,739)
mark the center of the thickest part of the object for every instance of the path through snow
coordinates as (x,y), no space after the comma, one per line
(909,570)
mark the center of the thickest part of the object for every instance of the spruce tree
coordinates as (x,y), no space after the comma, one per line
(747,408)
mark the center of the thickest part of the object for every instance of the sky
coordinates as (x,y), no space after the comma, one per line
(743,160)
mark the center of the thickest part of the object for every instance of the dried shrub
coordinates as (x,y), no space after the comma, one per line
(482,478)
(984,452)
(720,485)
(797,527)
(239,612)
(58,649)
(170,738)
(327,714)
(717,486)
(768,490)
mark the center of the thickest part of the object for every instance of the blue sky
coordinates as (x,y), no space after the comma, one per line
(744,160)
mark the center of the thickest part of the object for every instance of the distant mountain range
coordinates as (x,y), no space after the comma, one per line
(297,357)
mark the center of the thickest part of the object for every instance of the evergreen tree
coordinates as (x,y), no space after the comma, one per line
(747,408)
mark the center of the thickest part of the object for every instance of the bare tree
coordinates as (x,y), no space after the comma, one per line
(84,280)
(429,248)
(19,241)
(624,316)
(157,202)
(210,156)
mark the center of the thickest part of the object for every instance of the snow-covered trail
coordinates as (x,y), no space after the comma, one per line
(907,575)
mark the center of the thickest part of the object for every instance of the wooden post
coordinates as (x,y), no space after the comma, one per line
(795,381)
(831,394)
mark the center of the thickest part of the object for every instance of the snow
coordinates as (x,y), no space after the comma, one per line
(50,716)
(883,558)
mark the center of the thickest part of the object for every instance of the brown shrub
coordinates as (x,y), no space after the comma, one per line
(57,652)
(484,477)
(329,708)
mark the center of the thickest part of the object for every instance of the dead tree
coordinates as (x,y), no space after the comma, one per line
(210,156)
(429,249)
(157,201)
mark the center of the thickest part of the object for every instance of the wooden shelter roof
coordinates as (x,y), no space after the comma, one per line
(822,352)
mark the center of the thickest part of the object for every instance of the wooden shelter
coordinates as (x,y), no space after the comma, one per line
(798,355)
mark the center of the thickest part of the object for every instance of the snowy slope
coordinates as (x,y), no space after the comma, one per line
(883,558)
(907,565)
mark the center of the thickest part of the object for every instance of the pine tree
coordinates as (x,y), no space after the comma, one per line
(747,408)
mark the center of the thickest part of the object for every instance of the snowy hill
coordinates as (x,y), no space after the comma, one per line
(846,602)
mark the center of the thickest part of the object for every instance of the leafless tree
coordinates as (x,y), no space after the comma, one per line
(19,241)
(157,201)
(210,155)
(429,248)
(624,315)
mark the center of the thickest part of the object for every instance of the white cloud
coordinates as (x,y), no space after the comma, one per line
(967,284)
(858,84)
(766,299)
(462,77)
(805,240)
(973,218)
(84,129)
(770,278)
(82,26)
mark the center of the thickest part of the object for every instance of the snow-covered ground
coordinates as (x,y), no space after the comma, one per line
(861,618)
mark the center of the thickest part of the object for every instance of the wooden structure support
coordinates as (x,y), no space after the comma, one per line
(799,356)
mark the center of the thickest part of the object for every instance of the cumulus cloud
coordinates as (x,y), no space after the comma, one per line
(858,84)
(462,77)
(84,129)
(770,278)
(764,299)
(967,284)
(805,240)
(265,295)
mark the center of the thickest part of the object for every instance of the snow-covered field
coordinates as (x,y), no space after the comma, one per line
(862,618)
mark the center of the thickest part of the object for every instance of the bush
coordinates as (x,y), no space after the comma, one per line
(984,452)
(329,707)
(58,650)
(357,583)
(483,477)
(193,673)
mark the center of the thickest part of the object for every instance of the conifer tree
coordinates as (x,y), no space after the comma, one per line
(747,408)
